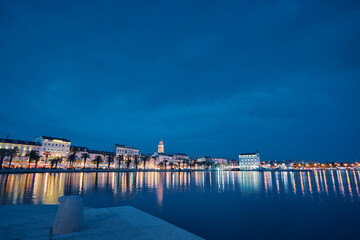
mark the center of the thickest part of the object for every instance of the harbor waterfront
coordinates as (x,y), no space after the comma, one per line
(211,204)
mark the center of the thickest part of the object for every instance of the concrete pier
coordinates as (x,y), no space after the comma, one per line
(35,222)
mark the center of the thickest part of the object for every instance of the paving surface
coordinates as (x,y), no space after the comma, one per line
(35,222)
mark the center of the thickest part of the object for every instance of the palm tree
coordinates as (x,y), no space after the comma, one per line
(71,159)
(171,164)
(186,163)
(128,161)
(13,153)
(3,153)
(136,161)
(36,158)
(165,161)
(85,156)
(161,164)
(55,161)
(194,163)
(120,159)
(98,159)
(183,163)
(110,159)
(144,159)
(33,155)
(46,154)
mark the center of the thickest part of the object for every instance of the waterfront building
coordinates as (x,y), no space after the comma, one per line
(219,160)
(210,161)
(79,151)
(161,157)
(23,147)
(126,150)
(249,161)
(180,157)
(57,147)
(204,159)
(161,146)
(103,154)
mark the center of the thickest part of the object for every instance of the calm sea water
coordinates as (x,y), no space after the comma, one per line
(214,205)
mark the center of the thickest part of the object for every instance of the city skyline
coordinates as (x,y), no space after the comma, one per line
(209,79)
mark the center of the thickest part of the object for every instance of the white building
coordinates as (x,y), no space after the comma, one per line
(180,157)
(57,147)
(220,160)
(126,150)
(161,157)
(204,159)
(23,146)
(79,152)
(249,161)
(103,154)
(212,161)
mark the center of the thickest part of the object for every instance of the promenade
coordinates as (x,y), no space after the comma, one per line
(35,222)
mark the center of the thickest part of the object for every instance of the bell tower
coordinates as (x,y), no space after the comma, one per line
(161,146)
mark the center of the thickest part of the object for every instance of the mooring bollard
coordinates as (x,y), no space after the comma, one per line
(70,215)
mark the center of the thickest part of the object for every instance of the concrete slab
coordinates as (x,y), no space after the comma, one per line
(35,221)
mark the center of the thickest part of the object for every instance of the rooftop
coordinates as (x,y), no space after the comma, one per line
(125,146)
(100,152)
(247,154)
(53,138)
(183,154)
(12,141)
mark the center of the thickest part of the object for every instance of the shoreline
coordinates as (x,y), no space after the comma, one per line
(40,170)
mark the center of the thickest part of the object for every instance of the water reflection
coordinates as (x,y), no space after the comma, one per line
(45,188)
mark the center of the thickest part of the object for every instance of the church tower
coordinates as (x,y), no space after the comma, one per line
(161,147)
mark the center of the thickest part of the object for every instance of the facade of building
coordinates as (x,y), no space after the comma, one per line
(220,160)
(126,150)
(161,157)
(180,157)
(57,147)
(23,146)
(79,151)
(249,161)
(161,147)
(103,154)
(204,159)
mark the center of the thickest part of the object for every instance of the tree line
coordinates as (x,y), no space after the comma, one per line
(33,156)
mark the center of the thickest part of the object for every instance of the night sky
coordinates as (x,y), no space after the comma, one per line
(209,78)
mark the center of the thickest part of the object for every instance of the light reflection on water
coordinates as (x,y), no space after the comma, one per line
(45,188)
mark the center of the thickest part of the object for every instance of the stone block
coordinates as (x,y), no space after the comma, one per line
(70,215)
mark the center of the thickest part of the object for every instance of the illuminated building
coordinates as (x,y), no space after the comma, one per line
(161,157)
(126,150)
(57,147)
(205,159)
(180,157)
(79,151)
(249,161)
(23,146)
(161,146)
(214,160)
(220,160)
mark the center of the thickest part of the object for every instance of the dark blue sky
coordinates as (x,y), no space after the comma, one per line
(210,78)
